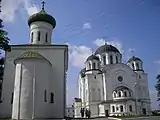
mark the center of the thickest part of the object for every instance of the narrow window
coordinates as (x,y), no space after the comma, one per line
(121,108)
(89,64)
(32,37)
(52,98)
(132,65)
(111,59)
(95,77)
(94,65)
(12,98)
(39,35)
(104,60)
(46,37)
(130,94)
(119,94)
(125,94)
(113,109)
(130,108)
(0,96)
(45,96)
(137,66)
(0,86)
(116,59)
(114,95)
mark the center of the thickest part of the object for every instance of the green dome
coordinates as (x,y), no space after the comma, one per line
(31,54)
(134,59)
(42,16)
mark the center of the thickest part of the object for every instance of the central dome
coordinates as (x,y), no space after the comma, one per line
(106,48)
(42,16)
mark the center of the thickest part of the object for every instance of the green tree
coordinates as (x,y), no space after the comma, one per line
(157,86)
(4,40)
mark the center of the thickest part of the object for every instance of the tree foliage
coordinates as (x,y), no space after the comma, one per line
(157,86)
(4,40)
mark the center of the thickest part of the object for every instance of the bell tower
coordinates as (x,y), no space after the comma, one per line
(41,25)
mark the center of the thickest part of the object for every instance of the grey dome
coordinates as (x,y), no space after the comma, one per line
(134,59)
(106,48)
(92,57)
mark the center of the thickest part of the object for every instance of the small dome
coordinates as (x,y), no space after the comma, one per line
(92,57)
(134,59)
(106,48)
(42,16)
(31,54)
(82,72)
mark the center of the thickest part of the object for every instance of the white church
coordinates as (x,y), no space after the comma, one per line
(108,87)
(34,83)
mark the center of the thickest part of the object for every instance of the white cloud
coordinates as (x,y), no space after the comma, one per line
(10,8)
(154,102)
(78,55)
(157,62)
(100,41)
(87,26)
(131,50)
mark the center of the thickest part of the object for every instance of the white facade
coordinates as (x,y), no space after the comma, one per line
(34,86)
(109,87)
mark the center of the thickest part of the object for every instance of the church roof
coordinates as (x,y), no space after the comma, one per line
(31,54)
(106,48)
(92,57)
(42,16)
(134,59)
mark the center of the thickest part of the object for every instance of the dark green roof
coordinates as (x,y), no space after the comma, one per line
(106,48)
(31,54)
(92,57)
(134,59)
(42,16)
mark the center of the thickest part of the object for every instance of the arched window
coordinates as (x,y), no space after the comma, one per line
(137,65)
(130,94)
(12,98)
(130,108)
(45,96)
(52,98)
(113,109)
(94,65)
(89,65)
(104,60)
(125,94)
(114,95)
(46,37)
(111,59)
(132,65)
(32,37)
(116,59)
(39,35)
(121,108)
(119,94)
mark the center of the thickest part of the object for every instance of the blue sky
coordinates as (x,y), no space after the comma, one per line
(85,24)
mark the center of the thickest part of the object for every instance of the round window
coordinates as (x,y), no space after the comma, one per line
(120,78)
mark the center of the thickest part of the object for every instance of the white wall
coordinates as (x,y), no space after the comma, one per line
(59,59)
